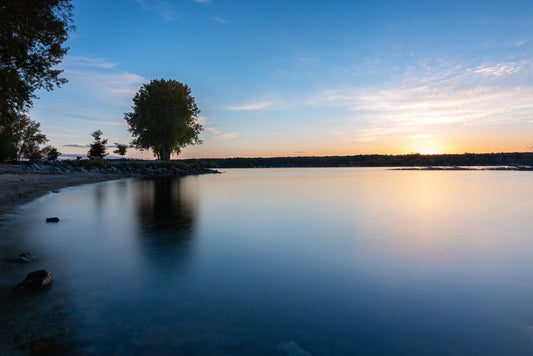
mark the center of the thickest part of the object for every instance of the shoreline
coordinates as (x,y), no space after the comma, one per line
(19,186)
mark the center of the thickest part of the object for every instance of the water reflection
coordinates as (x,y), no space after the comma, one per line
(340,262)
(166,214)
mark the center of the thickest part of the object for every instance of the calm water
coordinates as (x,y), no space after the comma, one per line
(251,262)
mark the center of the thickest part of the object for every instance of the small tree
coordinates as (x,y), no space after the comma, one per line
(25,136)
(121,149)
(33,152)
(51,153)
(98,150)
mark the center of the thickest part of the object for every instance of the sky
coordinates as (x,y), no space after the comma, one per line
(304,78)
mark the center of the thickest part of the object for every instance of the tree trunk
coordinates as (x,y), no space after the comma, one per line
(165,153)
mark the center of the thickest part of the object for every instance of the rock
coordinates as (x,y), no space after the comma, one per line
(53,219)
(291,348)
(80,169)
(27,257)
(54,169)
(38,280)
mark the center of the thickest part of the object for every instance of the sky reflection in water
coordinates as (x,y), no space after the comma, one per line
(342,261)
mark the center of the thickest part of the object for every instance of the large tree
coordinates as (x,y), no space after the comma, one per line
(32,33)
(164,118)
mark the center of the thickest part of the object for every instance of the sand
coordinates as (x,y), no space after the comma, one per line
(19,186)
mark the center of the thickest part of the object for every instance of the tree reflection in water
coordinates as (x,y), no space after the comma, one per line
(166,217)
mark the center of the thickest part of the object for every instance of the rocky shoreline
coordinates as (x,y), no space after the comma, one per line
(22,183)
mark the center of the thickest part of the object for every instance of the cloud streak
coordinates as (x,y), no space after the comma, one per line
(487,94)
(216,133)
(164,9)
(75,145)
(219,20)
(122,83)
(73,113)
(258,105)
(85,61)
(499,69)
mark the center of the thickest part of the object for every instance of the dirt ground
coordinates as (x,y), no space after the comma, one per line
(19,186)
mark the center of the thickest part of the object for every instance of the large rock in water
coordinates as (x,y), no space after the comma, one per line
(38,280)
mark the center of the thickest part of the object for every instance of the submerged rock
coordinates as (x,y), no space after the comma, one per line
(291,348)
(54,219)
(38,280)
(27,257)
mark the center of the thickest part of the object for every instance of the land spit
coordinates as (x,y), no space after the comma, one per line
(22,183)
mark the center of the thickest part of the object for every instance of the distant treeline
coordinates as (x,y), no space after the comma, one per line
(374,160)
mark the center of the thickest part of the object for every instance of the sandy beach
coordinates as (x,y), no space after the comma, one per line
(19,186)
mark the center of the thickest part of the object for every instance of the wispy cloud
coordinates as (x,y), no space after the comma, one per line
(372,134)
(258,105)
(219,20)
(165,9)
(301,153)
(486,94)
(215,132)
(221,135)
(498,69)
(418,137)
(76,145)
(104,82)
(86,61)
(59,135)
(268,101)
(204,1)
(66,112)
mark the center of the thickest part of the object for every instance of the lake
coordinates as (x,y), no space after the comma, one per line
(277,262)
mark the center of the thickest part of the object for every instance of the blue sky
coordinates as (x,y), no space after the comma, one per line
(279,78)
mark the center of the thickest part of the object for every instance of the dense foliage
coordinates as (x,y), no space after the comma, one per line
(32,34)
(164,118)
(25,137)
(98,150)
(51,153)
(121,149)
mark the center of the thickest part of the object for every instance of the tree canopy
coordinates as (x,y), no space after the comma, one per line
(98,150)
(121,149)
(31,37)
(32,34)
(20,136)
(164,118)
